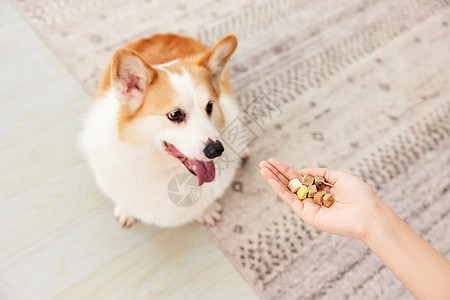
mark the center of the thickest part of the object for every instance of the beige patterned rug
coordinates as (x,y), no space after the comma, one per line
(361,86)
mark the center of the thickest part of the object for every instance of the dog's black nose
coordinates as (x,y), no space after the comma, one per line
(213,149)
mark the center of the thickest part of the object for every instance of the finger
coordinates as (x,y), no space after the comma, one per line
(216,216)
(209,220)
(330,176)
(267,174)
(284,169)
(280,176)
(274,171)
(289,198)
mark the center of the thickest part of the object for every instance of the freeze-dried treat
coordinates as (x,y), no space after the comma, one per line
(294,185)
(308,180)
(318,197)
(312,190)
(312,187)
(328,200)
(319,181)
(302,192)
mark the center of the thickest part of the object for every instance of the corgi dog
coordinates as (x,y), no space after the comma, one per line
(158,113)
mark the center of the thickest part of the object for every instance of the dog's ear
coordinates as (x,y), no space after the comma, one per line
(217,57)
(130,78)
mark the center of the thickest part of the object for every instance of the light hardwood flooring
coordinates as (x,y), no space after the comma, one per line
(59,238)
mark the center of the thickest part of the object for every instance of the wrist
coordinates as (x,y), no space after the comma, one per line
(379,223)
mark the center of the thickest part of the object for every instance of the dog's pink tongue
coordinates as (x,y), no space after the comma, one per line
(205,171)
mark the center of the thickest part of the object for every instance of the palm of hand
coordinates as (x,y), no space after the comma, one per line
(349,215)
(351,211)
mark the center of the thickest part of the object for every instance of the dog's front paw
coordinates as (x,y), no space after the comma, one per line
(124,219)
(211,215)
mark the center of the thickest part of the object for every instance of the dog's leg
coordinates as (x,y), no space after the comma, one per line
(211,215)
(124,219)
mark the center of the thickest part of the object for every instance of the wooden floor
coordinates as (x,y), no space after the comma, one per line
(59,238)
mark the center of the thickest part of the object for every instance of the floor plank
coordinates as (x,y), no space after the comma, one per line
(177,264)
(46,208)
(60,259)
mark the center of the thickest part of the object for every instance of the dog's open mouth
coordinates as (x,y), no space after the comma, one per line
(204,170)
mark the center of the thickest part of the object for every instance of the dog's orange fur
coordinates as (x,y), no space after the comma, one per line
(160,97)
(159,49)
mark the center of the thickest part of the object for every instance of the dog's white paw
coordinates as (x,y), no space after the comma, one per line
(211,215)
(124,219)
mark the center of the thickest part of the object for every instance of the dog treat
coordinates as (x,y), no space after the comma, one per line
(318,197)
(311,187)
(328,200)
(319,181)
(294,185)
(312,190)
(302,192)
(308,180)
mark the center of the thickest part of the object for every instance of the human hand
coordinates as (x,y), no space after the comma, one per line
(354,211)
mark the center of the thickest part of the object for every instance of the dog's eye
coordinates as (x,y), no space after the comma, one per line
(209,108)
(176,116)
